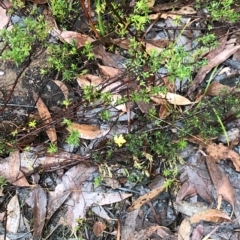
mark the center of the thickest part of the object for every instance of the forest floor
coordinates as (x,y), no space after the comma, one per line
(119,120)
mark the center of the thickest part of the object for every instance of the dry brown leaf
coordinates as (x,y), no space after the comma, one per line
(218,59)
(193,185)
(164,110)
(184,230)
(98,228)
(210,215)
(150,48)
(109,71)
(186,190)
(216,89)
(220,152)
(121,42)
(159,43)
(220,47)
(145,198)
(10,170)
(39,211)
(89,80)
(220,181)
(172,98)
(13,218)
(88,131)
(108,59)
(80,39)
(145,107)
(63,87)
(45,116)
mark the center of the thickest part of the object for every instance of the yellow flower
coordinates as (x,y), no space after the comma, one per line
(119,140)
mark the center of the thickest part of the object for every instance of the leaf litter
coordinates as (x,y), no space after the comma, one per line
(74,190)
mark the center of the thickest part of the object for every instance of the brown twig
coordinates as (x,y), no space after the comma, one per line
(89,19)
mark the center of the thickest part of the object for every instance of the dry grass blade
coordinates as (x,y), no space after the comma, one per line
(45,116)
(145,198)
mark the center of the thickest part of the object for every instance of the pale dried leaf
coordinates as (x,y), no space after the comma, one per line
(150,48)
(121,107)
(184,230)
(4,19)
(89,80)
(79,203)
(88,131)
(172,98)
(190,208)
(63,87)
(186,10)
(129,226)
(145,198)
(220,181)
(30,160)
(45,116)
(72,180)
(39,210)
(2,237)
(71,37)
(10,170)
(100,211)
(210,215)
(220,152)
(109,71)
(216,89)
(150,3)
(13,218)
(98,228)
(198,232)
